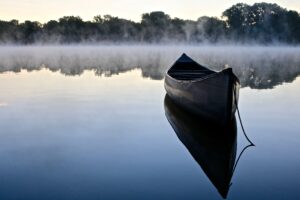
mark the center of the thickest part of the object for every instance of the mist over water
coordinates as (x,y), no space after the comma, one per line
(256,66)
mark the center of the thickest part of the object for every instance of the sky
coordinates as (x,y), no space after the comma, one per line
(45,10)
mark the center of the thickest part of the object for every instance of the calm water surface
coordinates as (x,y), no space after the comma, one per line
(90,136)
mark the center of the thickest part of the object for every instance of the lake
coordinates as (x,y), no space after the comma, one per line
(90,122)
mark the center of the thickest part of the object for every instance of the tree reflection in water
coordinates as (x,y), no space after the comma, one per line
(256,67)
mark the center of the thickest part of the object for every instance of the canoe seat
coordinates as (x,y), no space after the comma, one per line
(187,69)
(189,75)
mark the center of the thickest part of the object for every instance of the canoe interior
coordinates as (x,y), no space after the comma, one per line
(186,68)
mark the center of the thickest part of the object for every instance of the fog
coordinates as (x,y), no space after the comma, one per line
(256,66)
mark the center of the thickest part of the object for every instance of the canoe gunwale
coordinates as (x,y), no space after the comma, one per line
(167,75)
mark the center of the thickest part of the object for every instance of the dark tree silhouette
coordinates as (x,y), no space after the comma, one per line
(210,29)
(259,23)
(155,26)
(262,22)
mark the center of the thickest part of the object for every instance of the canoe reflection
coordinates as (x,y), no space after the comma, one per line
(213,147)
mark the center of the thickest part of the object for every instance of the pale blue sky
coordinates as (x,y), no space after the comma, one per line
(44,10)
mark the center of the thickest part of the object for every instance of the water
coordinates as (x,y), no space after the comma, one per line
(101,132)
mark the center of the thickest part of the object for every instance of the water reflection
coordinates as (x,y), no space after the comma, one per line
(213,148)
(256,67)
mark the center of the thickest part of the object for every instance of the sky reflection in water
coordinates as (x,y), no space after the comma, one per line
(91,137)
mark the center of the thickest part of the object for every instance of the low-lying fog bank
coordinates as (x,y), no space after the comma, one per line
(256,66)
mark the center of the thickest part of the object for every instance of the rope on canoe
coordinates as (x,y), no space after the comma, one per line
(241,123)
(238,159)
(246,147)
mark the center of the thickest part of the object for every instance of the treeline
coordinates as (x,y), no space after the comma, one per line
(242,23)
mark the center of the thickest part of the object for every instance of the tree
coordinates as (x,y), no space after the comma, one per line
(71,28)
(155,26)
(30,31)
(260,23)
(210,29)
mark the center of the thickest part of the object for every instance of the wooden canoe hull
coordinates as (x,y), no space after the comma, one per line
(212,97)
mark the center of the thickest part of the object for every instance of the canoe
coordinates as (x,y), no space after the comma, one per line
(212,146)
(208,93)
